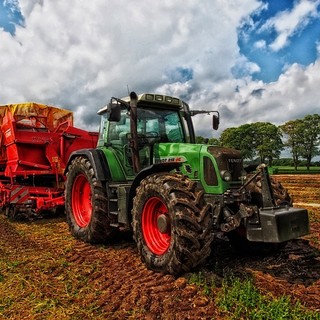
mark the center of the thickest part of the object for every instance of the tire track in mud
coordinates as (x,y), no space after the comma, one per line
(293,271)
(124,288)
(125,281)
(115,284)
(128,287)
(109,279)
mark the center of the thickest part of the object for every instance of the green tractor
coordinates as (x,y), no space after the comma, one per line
(147,175)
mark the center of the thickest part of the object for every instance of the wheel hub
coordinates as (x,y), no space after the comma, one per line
(163,223)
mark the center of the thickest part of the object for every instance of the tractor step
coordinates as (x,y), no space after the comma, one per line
(115,225)
(114,219)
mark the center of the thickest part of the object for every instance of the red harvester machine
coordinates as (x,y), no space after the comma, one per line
(35,143)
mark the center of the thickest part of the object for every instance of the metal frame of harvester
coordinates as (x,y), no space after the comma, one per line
(36,141)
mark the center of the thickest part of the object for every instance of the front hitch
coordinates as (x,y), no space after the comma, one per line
(266,188)
(273,223)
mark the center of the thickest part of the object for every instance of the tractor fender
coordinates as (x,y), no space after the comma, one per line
(97,159)
(154,168)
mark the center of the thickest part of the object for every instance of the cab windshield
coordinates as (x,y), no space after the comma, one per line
(155,124)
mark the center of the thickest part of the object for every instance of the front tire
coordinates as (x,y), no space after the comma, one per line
(86,203)
(171,223)
(281,195)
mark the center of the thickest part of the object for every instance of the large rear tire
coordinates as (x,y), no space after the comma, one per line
(172,224)
(86,203)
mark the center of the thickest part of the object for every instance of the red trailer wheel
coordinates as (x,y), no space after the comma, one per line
(81,200)
(156,227)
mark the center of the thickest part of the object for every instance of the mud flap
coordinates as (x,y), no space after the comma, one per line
(278,225)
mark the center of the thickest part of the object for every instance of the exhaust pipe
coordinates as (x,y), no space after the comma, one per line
(134,132)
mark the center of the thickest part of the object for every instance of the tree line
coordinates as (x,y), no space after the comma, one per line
(265,140)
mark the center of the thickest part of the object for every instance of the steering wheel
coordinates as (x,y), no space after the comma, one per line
(152,134)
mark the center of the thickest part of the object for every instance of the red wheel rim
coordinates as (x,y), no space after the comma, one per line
(81,201)
(157,241)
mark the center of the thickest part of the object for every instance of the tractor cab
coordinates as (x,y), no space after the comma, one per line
(133,140)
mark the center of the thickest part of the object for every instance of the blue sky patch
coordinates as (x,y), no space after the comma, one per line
(180,74)
(10,16)
(258,36)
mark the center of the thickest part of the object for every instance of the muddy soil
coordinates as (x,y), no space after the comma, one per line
(46,274)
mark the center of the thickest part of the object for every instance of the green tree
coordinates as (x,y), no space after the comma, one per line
(261,139)
(311,137)
(293,131)
(211,141)
(214,142)
(240,138)
(303,138)
(267,141)
(201,140)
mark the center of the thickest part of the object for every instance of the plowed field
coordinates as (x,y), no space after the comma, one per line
(47,274)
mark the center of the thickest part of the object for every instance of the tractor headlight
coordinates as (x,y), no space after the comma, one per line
(243,175)
(226,175)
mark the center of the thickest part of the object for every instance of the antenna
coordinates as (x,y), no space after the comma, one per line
(128,90)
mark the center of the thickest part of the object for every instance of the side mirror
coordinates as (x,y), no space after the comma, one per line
(114,112)
(215,122)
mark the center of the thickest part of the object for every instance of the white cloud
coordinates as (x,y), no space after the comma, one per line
(261,44)
(77,54)
(74,53)
(287,23)
(293,96)
(243,66)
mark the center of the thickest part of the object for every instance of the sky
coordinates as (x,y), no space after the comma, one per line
(250,60)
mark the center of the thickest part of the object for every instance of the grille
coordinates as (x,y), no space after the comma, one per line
(228,159)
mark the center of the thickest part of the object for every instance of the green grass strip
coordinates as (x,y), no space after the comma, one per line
(240,299)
